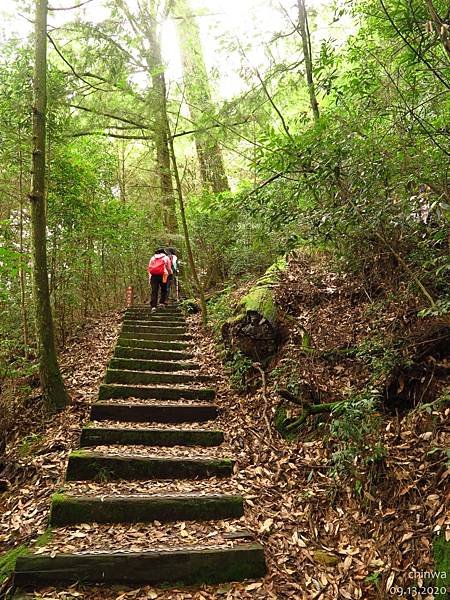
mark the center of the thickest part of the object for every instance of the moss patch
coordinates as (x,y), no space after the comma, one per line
(8,561)
(29,445)
(441,555)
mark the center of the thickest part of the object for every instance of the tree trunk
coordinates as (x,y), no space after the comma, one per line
(187,240)
(306,42)
(198,96)
(53,390)
(159,108)
(23,303)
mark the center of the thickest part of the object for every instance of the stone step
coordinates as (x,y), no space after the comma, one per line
(164,366)
(133,328)
(145,334)
(150,344)
(128,352)
(152,323)
(139,377)
(188,567)
(159,312)
(176,320)
(116,390)
(84,465)
(153,413)
(153,315)
(99,436)
(71,510)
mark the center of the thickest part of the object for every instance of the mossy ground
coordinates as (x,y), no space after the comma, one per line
(8,560)
(441,555)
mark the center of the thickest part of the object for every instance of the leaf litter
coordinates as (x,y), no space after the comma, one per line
(322,539)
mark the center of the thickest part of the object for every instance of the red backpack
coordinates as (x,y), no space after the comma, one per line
(157,265)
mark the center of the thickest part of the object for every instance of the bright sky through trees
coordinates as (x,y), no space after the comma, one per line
(246,22)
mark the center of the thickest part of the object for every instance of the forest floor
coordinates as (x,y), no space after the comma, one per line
(326,537)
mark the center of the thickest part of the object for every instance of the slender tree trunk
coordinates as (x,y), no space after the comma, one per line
(23,304)
(306,42)
(198,95)
(53,390)
(121,175)
(187,240)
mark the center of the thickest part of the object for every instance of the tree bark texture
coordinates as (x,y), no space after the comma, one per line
(198,95)
(159,108)
(54,393)
(306,43)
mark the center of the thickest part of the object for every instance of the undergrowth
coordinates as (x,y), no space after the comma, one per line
(355,433)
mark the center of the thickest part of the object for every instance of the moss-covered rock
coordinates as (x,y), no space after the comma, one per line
(254,329)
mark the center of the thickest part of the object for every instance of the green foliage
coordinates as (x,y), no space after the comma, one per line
(355,432)
(238,365)
(29,444)
(220,309)
(281,420)
(378,354)
(231,244)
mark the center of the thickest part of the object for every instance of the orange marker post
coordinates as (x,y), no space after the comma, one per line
(130,295)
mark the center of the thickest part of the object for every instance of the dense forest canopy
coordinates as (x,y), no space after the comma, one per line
(293,124)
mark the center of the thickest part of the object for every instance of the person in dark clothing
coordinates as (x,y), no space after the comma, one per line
(172,283)
(159,269)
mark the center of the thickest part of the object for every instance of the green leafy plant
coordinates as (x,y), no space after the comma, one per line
(355,433)
(239,366)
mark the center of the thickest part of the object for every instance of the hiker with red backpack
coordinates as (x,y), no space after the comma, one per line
(159,268)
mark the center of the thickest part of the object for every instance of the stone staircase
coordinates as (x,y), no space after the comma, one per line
(153,401)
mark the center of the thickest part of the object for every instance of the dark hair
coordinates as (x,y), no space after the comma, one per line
(171,251)
(160,251)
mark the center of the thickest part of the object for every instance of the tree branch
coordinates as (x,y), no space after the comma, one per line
(113,135)
(52,8)
(71,67)
(411,47)
(111,116)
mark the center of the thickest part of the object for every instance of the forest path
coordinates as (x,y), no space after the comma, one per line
(151,384)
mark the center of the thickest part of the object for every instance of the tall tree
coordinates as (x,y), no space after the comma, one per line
(307,54)
(158,97)
(53,390)
(146,28)
(198,95)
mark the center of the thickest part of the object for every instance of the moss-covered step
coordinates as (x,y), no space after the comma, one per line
(99,436)
(116,390)
(153,413)
(176,567)
(149,354)
(84,465)
(164,366)
(71,510)
(175,331)
(130,340)
(145,377)
(145,334)
(162,324)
